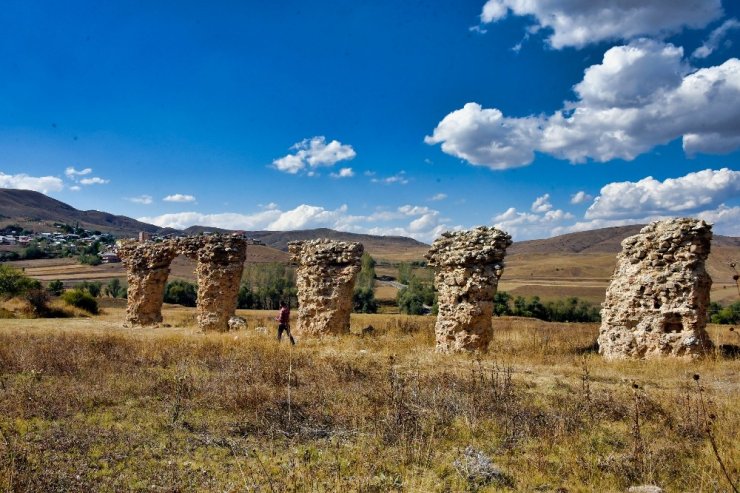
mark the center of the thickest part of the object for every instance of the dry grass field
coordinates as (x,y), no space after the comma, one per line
(87,405)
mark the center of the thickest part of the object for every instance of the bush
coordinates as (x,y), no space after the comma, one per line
(14,283)
(181,293)
(89,259)
(724,315)
(56,287)
(81,299)
(38,299)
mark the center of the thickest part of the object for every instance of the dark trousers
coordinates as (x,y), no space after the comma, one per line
(286,328)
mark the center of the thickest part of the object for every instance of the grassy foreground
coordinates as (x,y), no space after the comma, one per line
(88,406)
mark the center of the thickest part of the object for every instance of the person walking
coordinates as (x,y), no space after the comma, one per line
(283,320)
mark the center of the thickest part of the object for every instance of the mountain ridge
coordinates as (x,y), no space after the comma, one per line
(33,208)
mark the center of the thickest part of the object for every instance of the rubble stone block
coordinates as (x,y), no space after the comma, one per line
(325,279)
(656,304)
(468,265)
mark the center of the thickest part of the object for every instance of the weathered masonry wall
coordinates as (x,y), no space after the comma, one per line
(325,279)
(468,265)
(656,304)
(220,262)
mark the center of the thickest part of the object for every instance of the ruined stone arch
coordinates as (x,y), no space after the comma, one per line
(219,266)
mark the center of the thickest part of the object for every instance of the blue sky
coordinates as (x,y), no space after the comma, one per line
(384,117)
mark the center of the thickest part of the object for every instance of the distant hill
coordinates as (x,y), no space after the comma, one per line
(39,212)
(605,240)
(395,248)
(36,211)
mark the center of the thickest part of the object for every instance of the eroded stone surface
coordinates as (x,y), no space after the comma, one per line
(468,265)
(656,304)
(147,268)
(220,262)
(325,279)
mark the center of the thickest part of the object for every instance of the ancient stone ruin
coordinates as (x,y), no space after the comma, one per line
(656,304)
(220,262)
(325,279)
(147,268)
(468,265)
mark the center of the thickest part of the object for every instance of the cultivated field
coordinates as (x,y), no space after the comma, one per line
(87,405)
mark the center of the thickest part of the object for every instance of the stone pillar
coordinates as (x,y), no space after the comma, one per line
(220,264)
(147,268)
(468,265)
(325,279)
(656,304)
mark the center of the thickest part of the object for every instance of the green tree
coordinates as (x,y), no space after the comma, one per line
(89,259)
(501,303)
(404,273)
(363,300)
(363,297)
(33,252)
(93,288)
(56,287)
(246,299)
(266,285)
(366,276)
(727,315)
(115,289)
(413,298)
(181,293)
(13,282)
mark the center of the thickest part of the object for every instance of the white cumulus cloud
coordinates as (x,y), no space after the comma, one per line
(43,184)
(580,197)
(580,22)
(94,180)
(312,153)
(72,173)
(542,204)
(343,173)
(642,95)
(438,197)
(690,193)
(399,178)
(726,220)
(180,197)
(526,225)
(485,137)
(420,222)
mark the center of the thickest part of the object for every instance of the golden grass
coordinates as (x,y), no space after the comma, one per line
(88,405)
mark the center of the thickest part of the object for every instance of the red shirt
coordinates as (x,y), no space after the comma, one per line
(284,316)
